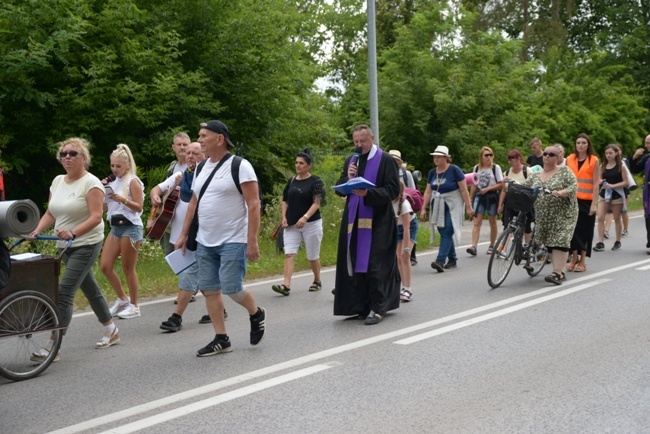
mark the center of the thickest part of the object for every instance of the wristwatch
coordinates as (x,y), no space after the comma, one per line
(74,235)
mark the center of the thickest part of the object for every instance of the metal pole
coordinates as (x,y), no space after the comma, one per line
(372,70)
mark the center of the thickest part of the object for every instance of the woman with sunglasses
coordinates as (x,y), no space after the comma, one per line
(586,168)
(75,209)
(555,213)
(486,197)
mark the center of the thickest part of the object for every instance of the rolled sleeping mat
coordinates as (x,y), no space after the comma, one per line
(471,178)
(18,217)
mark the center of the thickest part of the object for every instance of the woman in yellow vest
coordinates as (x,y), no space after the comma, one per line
(585,167)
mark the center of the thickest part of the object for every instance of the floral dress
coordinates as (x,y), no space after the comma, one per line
(555,217)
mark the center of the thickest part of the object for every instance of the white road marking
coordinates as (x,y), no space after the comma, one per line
(314,357)
(498,313)
(216,400)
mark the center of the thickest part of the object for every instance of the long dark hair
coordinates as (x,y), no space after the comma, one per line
(590,146)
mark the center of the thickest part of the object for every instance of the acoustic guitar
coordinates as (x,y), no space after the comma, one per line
(159,217)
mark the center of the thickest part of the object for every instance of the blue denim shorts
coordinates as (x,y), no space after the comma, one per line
(483,204)
(413,231)
(134,232)
(222,267)
(188,280)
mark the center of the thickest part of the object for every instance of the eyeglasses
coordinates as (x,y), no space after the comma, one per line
(488,155)
(70,153)
(549,154)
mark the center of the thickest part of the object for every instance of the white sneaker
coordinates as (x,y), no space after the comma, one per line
(130,312)
(119,306)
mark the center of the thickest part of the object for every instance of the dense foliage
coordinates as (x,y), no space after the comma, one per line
(460,73)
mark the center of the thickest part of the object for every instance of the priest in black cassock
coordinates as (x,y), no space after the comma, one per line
(367,277)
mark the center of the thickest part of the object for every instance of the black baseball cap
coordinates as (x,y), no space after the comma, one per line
(219,128)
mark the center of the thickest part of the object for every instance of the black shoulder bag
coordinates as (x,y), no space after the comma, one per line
(194,226)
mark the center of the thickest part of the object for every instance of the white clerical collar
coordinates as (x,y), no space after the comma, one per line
(373,151)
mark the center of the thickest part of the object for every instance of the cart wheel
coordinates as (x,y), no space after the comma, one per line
(27,320)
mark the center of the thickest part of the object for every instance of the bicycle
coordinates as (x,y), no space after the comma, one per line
(29,315)
(510,248)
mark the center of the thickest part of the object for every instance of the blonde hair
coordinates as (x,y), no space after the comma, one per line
(122,152)
(480,157)
(80,145)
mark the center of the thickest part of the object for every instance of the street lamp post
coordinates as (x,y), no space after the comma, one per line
(372,69)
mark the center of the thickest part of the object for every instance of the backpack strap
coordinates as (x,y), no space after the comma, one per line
(525,172)
(236,162)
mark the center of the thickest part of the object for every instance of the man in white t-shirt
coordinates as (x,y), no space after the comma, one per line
(229,222)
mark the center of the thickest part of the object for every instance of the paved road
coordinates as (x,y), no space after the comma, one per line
(526,357)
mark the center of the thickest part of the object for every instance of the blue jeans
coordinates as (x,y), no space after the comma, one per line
(447,248)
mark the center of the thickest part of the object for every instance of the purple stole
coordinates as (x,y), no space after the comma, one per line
(364,226)
(646,189)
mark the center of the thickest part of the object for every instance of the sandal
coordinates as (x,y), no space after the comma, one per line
(555,278)
(570,267)
(316,286)
(490,250)
(281,289)
(41,355)
(108,339)
(580,267)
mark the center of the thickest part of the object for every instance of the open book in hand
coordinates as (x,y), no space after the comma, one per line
(358,183)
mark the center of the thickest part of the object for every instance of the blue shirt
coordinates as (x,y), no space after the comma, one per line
(447,181)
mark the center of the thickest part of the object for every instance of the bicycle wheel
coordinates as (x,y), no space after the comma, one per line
(538,253)
(27,320)
(502,258)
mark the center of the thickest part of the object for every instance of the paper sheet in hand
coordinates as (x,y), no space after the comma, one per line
(358,183)
(179,261)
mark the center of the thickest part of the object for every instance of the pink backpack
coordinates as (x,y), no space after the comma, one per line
(414,197)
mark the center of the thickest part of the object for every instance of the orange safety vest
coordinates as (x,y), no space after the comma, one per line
(585,175)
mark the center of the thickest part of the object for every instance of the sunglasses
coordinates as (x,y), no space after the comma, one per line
(487,155)
(549,154)
(70,153)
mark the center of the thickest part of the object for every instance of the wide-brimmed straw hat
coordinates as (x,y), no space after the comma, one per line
(441,150)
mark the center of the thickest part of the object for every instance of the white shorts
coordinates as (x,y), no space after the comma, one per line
(312,233)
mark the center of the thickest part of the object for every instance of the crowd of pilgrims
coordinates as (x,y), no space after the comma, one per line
(378,230)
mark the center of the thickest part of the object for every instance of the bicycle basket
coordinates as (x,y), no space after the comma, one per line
(520,197)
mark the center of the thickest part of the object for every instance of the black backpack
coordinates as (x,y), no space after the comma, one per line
(234,170)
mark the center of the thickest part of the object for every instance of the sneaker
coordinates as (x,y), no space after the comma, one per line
(119,306)
(405,295)
(471,250)
(606,235)
(41,355)
(217,346)
(438,266)
(599,247)
(173,324)
(373,318)
(624,234)
(451,263)
(108,339)
(617,245)
(132,311)
(258,326)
